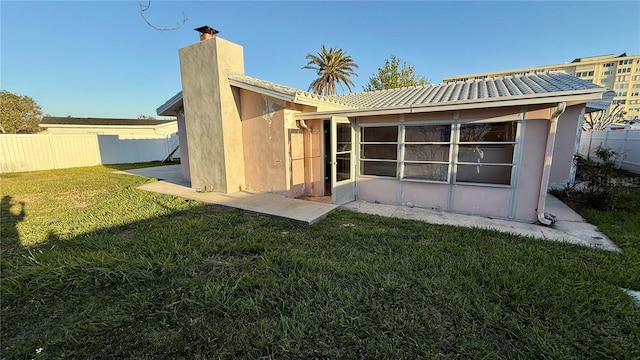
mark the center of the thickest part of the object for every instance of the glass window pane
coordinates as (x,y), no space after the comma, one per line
(486,174)
(343,167)
(486,153)
(505,131)
(344,137)
(428,133)
(378,168)
(379,151)
(380,134)
(426,171)
(426,152)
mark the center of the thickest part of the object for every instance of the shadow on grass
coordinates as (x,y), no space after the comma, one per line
(11,213)
(140,165)
(219,283)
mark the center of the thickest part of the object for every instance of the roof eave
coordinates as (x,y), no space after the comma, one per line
(263,91)
(170,108)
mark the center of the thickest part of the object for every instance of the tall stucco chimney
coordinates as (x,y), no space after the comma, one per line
(206,32)
(212,115)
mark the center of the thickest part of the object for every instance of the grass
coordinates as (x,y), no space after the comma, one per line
(94,268)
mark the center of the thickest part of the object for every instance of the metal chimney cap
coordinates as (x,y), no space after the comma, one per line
(207,30)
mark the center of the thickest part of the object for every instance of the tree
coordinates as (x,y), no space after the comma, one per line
(333,67)
(391,76)
(599,120)
(146,117)
(19,114)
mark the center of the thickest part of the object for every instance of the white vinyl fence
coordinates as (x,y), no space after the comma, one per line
(625,142)
(31,152)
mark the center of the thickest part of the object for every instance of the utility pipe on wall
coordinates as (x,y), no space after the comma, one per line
(548,156)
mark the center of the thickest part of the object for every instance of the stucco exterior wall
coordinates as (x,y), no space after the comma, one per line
(184,145)
(263,131)
(212,117)
(377,189)
(425,195)
(481,200)
(565,146)
(536,128)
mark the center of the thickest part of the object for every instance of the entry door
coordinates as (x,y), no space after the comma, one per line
(343,189)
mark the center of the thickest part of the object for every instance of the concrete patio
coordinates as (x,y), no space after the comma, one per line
(171,182)
(570,227)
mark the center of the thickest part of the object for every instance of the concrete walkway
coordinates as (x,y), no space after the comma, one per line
(571,227)
(171,182)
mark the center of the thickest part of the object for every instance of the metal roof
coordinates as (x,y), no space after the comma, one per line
(498,88)
(502,88)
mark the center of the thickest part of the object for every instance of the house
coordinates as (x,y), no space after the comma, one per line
(484,147)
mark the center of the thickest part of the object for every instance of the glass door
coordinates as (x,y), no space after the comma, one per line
(343,189)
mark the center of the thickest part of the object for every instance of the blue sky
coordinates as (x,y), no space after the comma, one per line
(99,58)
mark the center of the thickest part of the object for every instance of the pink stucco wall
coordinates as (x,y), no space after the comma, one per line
(264,143)
(564,146)
(426,195)
(531,166)
(377,189)
(481,200)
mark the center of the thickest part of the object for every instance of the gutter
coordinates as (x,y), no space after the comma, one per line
(545,219)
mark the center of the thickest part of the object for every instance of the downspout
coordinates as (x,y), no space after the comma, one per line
(548,156)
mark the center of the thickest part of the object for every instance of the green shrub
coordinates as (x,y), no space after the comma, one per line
(599,184)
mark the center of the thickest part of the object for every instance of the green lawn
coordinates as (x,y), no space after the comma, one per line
(93,268)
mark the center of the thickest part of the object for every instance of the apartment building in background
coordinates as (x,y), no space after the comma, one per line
(618,73)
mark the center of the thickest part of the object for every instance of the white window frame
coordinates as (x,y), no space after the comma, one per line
(454,146)
(403,143)
(361,143)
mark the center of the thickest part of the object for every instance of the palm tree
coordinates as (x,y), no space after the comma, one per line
(333,67)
